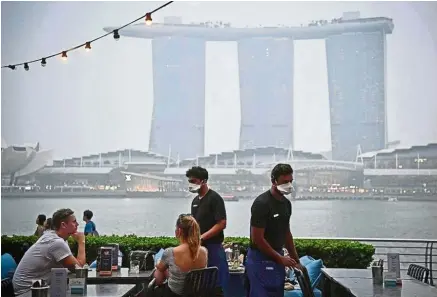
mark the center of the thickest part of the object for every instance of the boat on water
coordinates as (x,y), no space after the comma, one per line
(230,198)
(392,199)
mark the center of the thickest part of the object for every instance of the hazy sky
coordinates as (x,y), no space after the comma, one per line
(102,100)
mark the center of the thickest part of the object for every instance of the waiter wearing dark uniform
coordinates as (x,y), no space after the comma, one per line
(269,233)
(208,208)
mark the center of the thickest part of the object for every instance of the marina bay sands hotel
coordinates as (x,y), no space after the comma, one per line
(356,63)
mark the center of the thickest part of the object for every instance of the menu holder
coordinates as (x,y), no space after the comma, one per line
(115,248)
(393,276)
(78,286)
(59,282)
(105,265)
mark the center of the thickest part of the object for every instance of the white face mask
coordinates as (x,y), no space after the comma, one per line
(193,188)
(285,189)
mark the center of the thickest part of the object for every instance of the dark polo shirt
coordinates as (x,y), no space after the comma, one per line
(208,211)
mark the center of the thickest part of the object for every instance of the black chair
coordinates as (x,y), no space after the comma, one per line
(201,282)
(198,283)
(419,272)
(7,288)
(304,282)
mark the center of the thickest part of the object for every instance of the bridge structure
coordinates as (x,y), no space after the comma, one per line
(263,168)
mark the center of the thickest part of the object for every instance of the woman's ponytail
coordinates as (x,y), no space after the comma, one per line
(193,237)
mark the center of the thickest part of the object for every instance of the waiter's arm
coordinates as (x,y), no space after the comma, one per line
(219,212)
(258,221)
(289,245)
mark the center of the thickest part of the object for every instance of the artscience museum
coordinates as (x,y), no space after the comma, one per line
(22,160)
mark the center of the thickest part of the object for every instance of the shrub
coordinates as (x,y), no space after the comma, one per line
(334,253)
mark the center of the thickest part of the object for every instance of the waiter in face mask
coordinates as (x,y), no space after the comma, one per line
(269,233)
(208,208)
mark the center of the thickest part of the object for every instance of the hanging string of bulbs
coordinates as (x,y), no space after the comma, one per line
(63,54)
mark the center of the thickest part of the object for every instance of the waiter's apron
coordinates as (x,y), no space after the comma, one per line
(217,258)
(266,278)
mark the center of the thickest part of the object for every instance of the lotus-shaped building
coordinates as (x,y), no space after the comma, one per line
(22,160)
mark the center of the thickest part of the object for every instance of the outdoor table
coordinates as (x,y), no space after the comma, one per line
(108,290)
(122,276)
(359,283)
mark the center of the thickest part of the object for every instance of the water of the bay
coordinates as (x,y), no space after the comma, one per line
(156,217)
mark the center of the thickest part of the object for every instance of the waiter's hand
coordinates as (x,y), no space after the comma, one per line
(287,261)
(299,266)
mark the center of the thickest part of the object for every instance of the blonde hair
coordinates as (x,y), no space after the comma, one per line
(190,234)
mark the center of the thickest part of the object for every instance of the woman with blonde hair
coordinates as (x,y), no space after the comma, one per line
(177,262)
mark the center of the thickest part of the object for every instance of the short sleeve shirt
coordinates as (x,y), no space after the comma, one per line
(273,216)
(208,211)
(38,261)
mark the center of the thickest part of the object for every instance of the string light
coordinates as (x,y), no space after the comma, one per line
(148,19)
(88,46)
(63,54)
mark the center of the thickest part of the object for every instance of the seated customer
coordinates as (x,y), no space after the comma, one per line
(50,251)
(40,225)
(177,262)
(48,225)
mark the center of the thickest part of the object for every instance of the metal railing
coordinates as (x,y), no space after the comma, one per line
(411,251)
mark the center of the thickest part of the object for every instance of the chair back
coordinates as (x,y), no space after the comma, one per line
(201,282)
(7,288)
(418,272)
(304,282)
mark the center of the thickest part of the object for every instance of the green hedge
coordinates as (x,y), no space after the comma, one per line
(334,253)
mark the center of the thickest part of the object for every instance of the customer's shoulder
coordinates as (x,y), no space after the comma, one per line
(203,250)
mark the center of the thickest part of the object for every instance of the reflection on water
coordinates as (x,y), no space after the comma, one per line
(157,217)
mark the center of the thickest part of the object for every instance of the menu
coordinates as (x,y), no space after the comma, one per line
(115,249)
(394,265)
(105,265)
(58,285)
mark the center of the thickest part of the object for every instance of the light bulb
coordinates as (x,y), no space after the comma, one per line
(64,56)
(148,19)
(26,66)
(116,35)
(43,62)
(88,46)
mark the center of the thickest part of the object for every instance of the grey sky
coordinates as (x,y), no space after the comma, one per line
(102,100)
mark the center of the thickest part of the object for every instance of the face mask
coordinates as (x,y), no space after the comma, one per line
(193,188)
(285,189)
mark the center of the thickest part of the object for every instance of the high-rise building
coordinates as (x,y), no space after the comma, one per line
(356,76)
(356,72)
(178,120)
(266,92)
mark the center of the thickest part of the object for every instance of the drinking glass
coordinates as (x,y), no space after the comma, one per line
(134,266)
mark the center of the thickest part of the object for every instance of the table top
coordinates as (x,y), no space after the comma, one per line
(364,287)
(360,284)
(108,290)
(334,273)
(123,273)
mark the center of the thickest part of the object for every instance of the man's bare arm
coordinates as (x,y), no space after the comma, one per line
(216,229)
(291,248)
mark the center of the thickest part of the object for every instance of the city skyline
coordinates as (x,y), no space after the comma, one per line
(103,100)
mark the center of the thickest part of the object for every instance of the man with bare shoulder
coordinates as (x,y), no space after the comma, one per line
(50,251)
(269,233)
